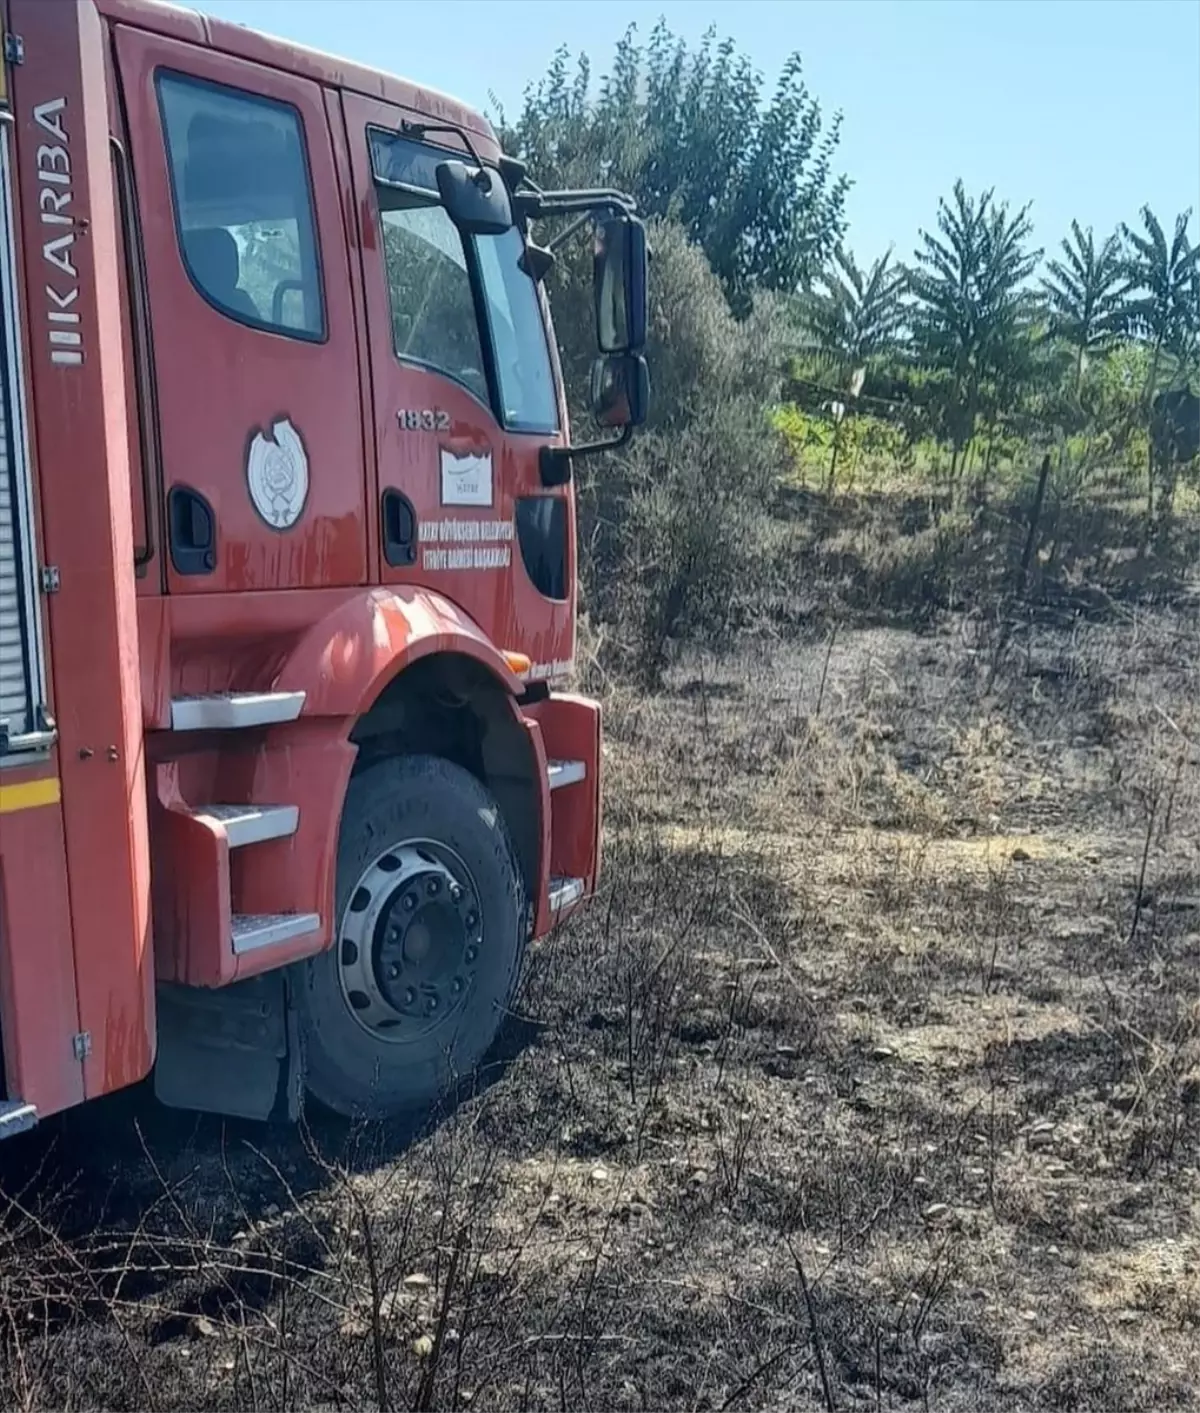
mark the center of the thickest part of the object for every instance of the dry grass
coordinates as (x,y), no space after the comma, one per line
(872,1080)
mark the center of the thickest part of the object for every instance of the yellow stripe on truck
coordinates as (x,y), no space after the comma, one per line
(29,795)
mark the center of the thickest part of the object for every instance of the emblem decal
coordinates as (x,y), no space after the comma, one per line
(466,480)
(277,475)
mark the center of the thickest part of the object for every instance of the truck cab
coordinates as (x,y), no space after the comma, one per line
(289,776)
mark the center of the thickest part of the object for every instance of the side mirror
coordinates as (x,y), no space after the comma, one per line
(620,394)
(475,198)
(619,264)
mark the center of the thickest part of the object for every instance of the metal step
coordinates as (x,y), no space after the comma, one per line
(15,1117)
(565,772)
(565,893)
(231,711)
(252,824)
(252,931)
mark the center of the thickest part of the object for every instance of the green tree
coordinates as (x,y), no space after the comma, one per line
(691,135)
(968,285)
(856,315)
(1019,373)
(1187,339)
(1163,313)
(1085,297)
(1162,275)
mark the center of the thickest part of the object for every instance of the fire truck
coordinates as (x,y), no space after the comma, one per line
(289,771)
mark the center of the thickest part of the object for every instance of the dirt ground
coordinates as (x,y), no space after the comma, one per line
(871,1080)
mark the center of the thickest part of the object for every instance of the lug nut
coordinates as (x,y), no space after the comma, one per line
(393,972)
(472,919)
(409,903)
(409,996)
(471,953)
(433,886)
(455,893)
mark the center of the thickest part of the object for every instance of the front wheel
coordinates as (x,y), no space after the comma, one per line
(432,922)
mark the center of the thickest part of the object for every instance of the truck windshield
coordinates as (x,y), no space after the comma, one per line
(450,296)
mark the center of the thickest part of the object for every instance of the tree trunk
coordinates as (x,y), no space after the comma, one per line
(1152,376)
(833,460)
(854,455)
(1035,516)
(1147,406)
(988,462)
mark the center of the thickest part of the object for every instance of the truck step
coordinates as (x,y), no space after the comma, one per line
(15,1117)
(230,711)
(565,893)
(565,772)
(254,930)
(252,824)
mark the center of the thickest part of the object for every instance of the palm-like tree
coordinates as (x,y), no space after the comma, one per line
(1085,296)
(854,314)
(855,317)
(1161,276)
(968,283)
(1187,350)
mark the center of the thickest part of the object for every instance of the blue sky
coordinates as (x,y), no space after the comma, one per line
(1087,108)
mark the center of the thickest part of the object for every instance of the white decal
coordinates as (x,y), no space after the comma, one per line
(466,480)
(466,544)
(550,671)
(53,166)
(46,116)
(277,475)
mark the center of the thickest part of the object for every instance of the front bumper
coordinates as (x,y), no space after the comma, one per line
(569,730)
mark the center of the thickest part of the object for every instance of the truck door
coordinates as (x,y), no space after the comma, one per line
(251,317)
(465,398)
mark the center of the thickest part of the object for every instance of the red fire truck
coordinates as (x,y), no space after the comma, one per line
(288,777)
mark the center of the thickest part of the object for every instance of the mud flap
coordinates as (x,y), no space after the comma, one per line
(232,1050)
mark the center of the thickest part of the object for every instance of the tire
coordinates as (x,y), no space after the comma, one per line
(432,922)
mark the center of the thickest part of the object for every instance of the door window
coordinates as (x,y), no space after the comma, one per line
(243,204)
(439,282)
(433,308)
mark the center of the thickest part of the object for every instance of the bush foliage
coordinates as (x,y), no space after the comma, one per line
(778,362)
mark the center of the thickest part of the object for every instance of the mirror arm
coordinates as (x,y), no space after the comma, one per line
(568,231)
(553,460)
(538,204)
(419,130)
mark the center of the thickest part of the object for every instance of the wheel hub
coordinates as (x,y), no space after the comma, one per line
(410,940)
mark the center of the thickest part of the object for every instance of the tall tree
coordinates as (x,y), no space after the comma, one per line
(1161,275)
(1085,297)
(1187,340)
(970,305)
(855,315)
(692,136)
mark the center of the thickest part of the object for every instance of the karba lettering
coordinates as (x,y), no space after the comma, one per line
(54,203)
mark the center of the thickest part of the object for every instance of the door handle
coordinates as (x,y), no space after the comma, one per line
(193,531)
(399,526)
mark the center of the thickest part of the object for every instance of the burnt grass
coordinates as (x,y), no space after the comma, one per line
(871,1079)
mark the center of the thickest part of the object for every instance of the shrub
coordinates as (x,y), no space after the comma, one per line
(672,530)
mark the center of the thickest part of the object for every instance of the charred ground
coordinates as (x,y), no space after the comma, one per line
(872,1079)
